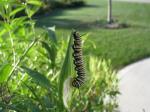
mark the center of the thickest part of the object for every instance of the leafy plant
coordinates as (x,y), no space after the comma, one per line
(65,89)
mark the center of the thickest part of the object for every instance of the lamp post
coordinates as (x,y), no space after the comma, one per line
(109,14)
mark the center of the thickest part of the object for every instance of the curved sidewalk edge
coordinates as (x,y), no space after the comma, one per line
(135,87)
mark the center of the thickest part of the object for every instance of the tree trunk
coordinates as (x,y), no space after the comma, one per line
(109,15)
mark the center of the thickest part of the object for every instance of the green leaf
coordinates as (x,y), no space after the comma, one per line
(15,11)
(32,7)
(30,11)
(64,79)
(2,11)
(10,107)
(51,46)
(2,32)
(51,33)
(34,2)
(5,72)
(35,95)
(6,2)
(51,50)
(38,77)
(17,22)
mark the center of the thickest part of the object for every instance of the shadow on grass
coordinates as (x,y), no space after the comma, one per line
(69,24)
(50,19)
(59,11)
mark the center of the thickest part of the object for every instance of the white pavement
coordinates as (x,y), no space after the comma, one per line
(140,1)
(135,87)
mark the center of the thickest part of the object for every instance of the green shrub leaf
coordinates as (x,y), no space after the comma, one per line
(5,72)
(51,34)
(66,72)
(35,2)
(38,77)
(15,11)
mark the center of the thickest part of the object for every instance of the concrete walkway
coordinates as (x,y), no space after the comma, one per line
(135,87)
(140,1)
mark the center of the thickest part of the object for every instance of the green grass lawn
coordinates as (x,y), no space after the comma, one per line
(122,46)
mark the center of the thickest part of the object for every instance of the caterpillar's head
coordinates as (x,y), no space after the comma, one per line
(76,35)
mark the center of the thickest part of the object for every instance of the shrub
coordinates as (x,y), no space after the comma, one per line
(49,5)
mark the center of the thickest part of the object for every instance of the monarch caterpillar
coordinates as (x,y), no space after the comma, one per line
(78,61)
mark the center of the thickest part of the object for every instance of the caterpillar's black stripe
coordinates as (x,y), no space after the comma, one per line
(78,61)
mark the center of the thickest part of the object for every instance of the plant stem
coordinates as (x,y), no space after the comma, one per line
(32,26)
(7,21)
(21,58)
(13,50)
(25,52)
